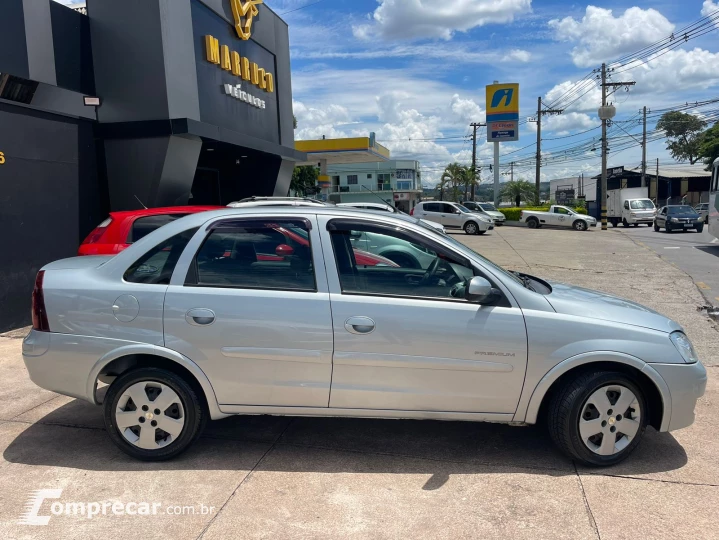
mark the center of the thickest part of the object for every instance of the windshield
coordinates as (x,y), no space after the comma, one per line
(464,209)
(642,204)
(681,210)
(487,206)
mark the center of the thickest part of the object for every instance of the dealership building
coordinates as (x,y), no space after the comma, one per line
(131,103)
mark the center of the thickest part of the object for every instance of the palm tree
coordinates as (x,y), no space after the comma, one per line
(518,190)
(455,176)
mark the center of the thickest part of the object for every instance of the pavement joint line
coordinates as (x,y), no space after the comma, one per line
(643,479)
(513,248)
(36,406)
(592,521)
(246,477)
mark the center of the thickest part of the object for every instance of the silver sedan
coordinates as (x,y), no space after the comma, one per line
(265,310)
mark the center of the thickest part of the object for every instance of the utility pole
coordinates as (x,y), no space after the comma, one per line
(538,166)
(511,171)
(644,147)
(606,113)
(474,126)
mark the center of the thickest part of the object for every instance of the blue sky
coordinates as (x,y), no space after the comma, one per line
(417,69)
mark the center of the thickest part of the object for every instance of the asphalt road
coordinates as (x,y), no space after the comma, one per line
(697,254)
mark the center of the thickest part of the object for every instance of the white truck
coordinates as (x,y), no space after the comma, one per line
(630,206)
(558,216)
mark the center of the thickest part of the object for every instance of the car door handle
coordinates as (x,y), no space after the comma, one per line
(359,325)
(200,317)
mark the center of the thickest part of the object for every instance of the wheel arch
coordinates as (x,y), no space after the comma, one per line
(655,388)
(125,358)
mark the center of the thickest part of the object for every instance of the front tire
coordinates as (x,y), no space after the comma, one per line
(579,225)
(471,227)
(700,229)
(598,418)
(656,228)
(624,223)
(152,414)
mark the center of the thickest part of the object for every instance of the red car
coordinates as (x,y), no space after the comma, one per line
(121,229)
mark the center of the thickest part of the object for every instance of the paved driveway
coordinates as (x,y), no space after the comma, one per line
(270,477)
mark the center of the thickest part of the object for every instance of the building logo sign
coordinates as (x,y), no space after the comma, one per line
(241,67)
(237,92)
(502,101)
(2,158)
(244,12)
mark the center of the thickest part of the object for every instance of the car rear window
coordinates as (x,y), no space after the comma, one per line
(156,266)
(145,225)
(430,207)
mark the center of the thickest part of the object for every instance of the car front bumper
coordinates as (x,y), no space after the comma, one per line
(680,226)
(687,383)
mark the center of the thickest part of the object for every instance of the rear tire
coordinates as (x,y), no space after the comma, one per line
(700,229)
(180,409)
(533,223)
(586,409)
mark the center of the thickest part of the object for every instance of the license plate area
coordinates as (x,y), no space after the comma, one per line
(687,225)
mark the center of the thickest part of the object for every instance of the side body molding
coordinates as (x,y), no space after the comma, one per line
(529,415)
(154,350)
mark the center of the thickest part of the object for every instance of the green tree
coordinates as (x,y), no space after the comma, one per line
(294,122)
(518,190)
(304,181)
(684,133)
(709,145)
(453,178)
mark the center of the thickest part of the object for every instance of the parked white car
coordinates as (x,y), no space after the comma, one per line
(558,216)
(487,209)
(385,208)
(276,201)
(453,216)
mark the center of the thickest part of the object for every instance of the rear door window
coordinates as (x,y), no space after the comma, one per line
(256,254)
(156,266)
(143,226)
(431,207)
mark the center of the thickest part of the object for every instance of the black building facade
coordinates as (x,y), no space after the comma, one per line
(195,108)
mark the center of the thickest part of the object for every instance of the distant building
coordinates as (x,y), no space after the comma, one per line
(568,190)
(397,182)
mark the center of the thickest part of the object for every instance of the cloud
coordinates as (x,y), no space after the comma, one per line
(565,123)
(417,19)
(696,68)
(586,97)
(435,51)
(600,36)
(466,110)
(711,8)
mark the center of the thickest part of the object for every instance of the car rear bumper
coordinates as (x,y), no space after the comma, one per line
(687,383)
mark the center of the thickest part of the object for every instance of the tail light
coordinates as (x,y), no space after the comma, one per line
(411,212)
(96,234)
(39,314)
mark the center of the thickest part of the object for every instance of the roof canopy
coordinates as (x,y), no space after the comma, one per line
(349,150)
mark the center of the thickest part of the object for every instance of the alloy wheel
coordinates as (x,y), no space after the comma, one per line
(610,419)
(150,415)
(470,228)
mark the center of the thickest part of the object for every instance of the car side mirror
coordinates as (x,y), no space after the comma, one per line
(283,250)
(456,211)
(480,291)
